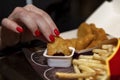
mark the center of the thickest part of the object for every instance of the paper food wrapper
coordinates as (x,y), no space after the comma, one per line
(113,63)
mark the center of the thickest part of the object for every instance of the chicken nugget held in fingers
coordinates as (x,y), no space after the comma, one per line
(58,47)
(71,42)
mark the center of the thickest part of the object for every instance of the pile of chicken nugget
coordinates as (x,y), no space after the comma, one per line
(88,36)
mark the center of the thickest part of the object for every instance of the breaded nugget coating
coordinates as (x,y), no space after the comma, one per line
(71,42)
(83,30)
(59,46)
(99,34)
(82,43)
(88,36)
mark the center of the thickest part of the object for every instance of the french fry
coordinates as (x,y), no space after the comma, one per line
(73,75)
(107,46)
(98,57)
(89,60)
(75,62)
(103,77)
(101,66)
(85,56)
(89,78)
(100,71)
(76,69)
(87,69)
(100,51)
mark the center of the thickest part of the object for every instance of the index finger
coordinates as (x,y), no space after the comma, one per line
(48,19)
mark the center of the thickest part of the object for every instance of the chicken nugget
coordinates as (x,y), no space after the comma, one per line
(58,47)
(83,30)
(71,42)
(99,34)
(82,43)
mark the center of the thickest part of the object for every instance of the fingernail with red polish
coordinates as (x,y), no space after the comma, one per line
(37,33)
(56,32)
(19,29)
(51,37)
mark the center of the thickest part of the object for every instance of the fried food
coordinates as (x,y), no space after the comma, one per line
(88,36)
(90,29)
(71,42)
(99,34)
(58,47)
(82,43)
(83,30)
(72,75)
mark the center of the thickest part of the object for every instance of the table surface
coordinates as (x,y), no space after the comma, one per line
(16,67)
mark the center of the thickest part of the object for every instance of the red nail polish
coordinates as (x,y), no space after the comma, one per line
(51,37)
(56,32)
(37,33)
(19,29)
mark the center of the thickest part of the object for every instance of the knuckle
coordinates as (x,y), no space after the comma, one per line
(5,21)
(29,5)
(23,13)
(20,12)
(2,22)
(43,13)
(18,9)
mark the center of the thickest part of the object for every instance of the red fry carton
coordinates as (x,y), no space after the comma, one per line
(113,63)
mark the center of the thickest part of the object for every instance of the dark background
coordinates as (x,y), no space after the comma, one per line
(67,14)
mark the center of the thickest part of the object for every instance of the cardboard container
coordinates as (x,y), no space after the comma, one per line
(113,63)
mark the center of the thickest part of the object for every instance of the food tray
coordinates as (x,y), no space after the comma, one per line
(39,64)
(106,21)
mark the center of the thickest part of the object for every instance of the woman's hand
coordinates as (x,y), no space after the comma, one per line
(35,20)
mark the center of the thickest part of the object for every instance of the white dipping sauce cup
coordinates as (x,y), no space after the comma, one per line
(59,61)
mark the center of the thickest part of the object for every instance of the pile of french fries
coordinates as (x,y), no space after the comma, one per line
(90,67)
